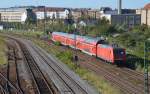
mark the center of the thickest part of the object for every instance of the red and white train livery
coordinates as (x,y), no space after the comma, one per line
(91,46)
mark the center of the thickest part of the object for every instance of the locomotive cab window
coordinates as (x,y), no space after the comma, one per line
(118,52)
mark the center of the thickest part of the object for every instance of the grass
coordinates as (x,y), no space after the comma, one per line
(98,82)
(3,57)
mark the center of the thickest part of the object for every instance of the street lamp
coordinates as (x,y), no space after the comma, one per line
(146,64)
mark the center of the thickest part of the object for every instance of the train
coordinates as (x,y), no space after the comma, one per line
(92,46)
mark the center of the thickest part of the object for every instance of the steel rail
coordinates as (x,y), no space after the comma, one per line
(60,69)
(36,72)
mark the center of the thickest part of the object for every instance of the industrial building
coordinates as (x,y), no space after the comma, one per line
(128,20)
(13,14)
(145,14)
(119,18)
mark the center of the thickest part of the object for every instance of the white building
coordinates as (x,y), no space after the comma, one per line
(13,14)
(145,14)
(1,27)
(51,13)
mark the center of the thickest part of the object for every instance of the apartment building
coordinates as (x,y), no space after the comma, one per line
(78,13)
(13,15)
(145,14)
(94,14)
(51,12)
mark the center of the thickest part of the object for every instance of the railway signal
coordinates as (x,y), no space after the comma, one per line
(146,63)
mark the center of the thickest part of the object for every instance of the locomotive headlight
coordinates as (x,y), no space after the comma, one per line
(122,53)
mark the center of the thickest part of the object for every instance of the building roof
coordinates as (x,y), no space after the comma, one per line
(86,39)
(48,9)
(12,9)
(147,6)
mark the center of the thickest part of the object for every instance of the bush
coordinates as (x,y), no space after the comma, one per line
(57,43)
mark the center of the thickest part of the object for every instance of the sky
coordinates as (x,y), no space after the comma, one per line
(74,3)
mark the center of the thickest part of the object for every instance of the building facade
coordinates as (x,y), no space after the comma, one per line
(145,14)
(13,14)
(51,13)
(94,14)
(78,13)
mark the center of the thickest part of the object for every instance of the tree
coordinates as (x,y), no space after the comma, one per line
(31,17)
(103,21)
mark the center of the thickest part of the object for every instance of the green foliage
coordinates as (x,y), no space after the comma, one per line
(103,21)
(58,43)
(31,17)
(3,57)
(127,40)
(133,42)
(65,56)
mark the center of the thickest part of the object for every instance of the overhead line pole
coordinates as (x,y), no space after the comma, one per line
(75,37)
(44,20)
(146,64)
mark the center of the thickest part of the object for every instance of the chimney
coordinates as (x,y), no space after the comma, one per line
(119,6)
(0,17)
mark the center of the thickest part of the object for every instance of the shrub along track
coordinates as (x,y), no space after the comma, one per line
(127,80)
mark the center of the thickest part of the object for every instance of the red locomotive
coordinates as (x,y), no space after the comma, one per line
(91,46)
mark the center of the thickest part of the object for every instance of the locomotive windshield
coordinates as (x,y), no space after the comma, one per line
(119,52)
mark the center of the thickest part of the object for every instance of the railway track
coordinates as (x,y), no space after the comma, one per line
(12,68)
(10,80)
(125,86)
(40,83)
(120,77)
(128,82)
(4,82)
(2,90)
(73,86)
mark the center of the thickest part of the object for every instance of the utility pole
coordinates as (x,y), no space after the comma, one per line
(146,64)
(75,37)
(44,19)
